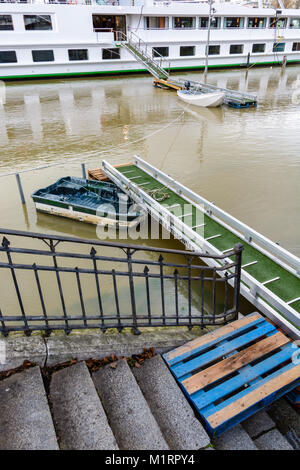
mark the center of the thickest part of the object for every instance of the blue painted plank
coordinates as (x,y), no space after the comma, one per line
(204,347)
(251,410)
(184,368)
(202,400)
(248,390)
(294,397)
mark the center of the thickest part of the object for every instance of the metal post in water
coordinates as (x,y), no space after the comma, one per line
(284,60)
(20,188)
(83,171)
(248,59)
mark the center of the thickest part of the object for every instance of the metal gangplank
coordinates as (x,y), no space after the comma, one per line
(270,277)
(139,49)
(160,69)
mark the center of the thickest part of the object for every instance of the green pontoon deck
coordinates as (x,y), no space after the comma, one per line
(270,274)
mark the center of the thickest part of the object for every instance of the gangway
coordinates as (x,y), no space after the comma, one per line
(270,277)
(160,70)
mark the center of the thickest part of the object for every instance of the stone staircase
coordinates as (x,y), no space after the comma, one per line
(118,407)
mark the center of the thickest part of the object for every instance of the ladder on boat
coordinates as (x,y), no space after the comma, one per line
(139,49)
(270,277)
(160,70)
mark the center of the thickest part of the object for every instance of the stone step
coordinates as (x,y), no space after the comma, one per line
(287,420)
(79,417)
(169,406)
(235,438)
(25,418)
(272,440)
(129,415)
(258,424)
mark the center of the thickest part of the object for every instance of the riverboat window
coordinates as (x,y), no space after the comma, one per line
(215,22)
(37,22)
(43,56)
(184,22)
(236,49)
(278,46)
(7,57)
(257,22)
(160,51)
(258,48)
(213,50)
(6,23)
(107,23)
(111,54)
(187,50)
(156,22)
(278,22)
(295,23)
(234,22)
(296,46)
(78,54)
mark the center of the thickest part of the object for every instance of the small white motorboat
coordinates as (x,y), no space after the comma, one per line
(206,100)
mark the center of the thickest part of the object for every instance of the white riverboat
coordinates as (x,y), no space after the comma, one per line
(52,38)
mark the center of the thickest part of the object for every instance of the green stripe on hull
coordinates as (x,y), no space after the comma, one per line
(123,72)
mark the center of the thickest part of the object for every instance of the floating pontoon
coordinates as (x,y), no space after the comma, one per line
(270,277)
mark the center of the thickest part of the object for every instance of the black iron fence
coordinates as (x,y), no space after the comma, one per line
(50,282)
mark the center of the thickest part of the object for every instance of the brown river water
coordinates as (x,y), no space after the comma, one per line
(246,161)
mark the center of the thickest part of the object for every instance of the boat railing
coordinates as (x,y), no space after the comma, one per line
(86,2)
(156,65)
(64,283)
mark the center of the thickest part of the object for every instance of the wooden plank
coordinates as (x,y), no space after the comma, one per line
(202,340)
(254,397)
(98,175)
(167,84)
(183,368)
(233,363)
(246,375)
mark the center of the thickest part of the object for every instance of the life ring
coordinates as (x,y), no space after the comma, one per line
(72,2)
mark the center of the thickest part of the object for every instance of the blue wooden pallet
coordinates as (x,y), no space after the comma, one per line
(234,371)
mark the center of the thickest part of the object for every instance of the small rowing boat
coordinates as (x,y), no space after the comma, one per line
(206,100)
(95,202)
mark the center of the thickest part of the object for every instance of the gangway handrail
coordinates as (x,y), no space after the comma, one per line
(250,235)
(226,90)
(149,61)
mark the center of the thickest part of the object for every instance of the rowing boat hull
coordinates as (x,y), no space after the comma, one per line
(205,100)
(87,218)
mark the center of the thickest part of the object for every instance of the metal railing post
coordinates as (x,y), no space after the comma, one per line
(132,293)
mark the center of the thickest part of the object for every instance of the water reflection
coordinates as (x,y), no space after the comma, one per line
(246,161)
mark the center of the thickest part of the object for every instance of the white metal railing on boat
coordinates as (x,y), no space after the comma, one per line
(86,2)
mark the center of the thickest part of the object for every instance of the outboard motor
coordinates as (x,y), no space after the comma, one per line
(187,85)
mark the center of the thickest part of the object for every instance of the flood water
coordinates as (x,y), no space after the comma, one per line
(246,161)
